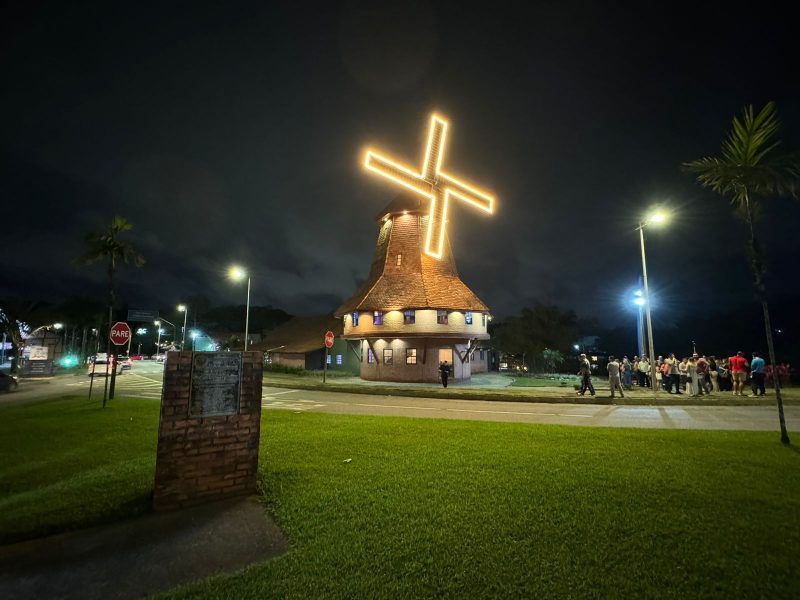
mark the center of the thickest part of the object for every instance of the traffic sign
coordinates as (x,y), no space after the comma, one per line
(328,339)
(120,333)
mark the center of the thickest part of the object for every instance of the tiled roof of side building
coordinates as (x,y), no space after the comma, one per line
(402,276)
(300,334)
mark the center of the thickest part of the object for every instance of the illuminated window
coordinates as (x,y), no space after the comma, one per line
(468,318)
(411,356)
(355,318)
(338,359)
(377,317)
(370,356)
(441,317)
(484,319)
(387,356)
(328,359)
(399,259)
(409,317)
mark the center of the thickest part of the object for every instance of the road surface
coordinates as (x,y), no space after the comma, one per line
(144,381)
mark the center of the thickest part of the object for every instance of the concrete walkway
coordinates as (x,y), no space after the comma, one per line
(142,556)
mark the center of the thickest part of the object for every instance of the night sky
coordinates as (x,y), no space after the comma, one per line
(232,133)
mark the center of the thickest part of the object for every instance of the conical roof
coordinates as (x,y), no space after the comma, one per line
(402,276)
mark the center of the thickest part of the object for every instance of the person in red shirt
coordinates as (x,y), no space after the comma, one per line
(738,372)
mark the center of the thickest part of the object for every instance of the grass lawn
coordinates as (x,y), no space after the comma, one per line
(448,508)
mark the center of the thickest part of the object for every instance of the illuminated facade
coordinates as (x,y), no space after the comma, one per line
(414,311)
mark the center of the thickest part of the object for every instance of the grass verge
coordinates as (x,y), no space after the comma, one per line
(430,508)
(67,463)
(532,393)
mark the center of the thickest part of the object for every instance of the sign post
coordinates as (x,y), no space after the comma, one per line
(328,344)
(120,335)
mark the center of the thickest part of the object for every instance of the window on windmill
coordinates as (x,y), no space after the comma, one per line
(411,356)
(468,318)
(377,317)
(441,317)
(399,259)
(370,356)
(484,319)
(483,357)
(338,359)
(387,356)
(409,317)
(355,318)
(328,359)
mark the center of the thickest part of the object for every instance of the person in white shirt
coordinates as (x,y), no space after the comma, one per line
(613,376)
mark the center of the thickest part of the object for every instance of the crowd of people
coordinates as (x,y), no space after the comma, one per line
(694,375)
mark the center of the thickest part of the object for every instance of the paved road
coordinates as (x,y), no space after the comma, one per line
(144,381)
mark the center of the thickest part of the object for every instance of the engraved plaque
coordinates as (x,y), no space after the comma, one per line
(216,379)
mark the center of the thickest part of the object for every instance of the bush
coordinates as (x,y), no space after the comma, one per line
(278,368)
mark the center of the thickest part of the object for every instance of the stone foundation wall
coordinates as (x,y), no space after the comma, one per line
(203,459)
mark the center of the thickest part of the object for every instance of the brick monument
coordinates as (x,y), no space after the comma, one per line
(208,435)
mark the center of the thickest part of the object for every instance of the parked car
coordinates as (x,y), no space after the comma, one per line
(137,357)
(160,357)
(100,365)
(8,383)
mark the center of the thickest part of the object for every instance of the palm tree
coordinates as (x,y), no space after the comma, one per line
(750,168)
(107,245)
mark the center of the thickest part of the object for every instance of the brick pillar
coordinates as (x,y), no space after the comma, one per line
(205,458)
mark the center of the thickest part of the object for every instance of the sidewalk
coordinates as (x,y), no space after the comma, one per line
(142,556)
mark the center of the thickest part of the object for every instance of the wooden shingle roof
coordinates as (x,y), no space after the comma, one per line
(402,276)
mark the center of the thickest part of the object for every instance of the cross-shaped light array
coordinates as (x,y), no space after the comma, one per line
(433,183)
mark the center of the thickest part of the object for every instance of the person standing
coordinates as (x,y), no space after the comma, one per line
(585,372)
(702,372)
(613,376)
(673,374)
(757,374)
(627,373)
(738,366)
(713,373)
(644,372)
(692,383)
(444,370)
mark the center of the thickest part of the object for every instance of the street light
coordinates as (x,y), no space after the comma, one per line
(656,218)
(183,308)
(158,343)
(236,273)
(174,329)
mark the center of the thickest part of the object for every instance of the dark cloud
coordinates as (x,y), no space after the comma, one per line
(233,133)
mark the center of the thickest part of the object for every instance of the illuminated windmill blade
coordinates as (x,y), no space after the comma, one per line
(467,193)
(434,153)
(397,173)
(437,218)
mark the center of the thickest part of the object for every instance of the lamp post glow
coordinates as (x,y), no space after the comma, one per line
(238,274)
(183,308)
(655,218)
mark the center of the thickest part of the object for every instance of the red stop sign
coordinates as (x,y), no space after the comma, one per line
(329,339)
(120,333)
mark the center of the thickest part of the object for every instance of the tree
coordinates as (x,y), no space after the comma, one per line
(536,329)
(106,245)
(748,169)
(552,359)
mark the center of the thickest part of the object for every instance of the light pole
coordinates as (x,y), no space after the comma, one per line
(174,329)
(238,274)
(655,218)
(158,343)
(185,310)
